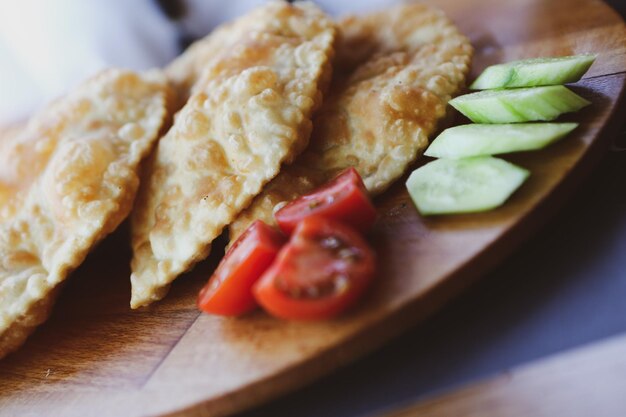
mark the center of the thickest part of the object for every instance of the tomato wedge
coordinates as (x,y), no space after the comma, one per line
(229,290)
(344,199)
(320,272)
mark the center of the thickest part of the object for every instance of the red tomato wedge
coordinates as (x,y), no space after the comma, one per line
(344,199)
(229,290)
(320,272)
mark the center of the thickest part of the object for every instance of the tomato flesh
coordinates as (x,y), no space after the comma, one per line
(229,290)
(320,272)
(344,199)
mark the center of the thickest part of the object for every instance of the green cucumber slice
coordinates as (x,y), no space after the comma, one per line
(475,140)
(534,72)
(447,186)
(519,105)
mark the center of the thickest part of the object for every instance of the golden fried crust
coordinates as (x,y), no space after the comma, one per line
(249,112)
(69,178)
(17,333)
(394,74)
(185,70)
(8,191)
(276,21)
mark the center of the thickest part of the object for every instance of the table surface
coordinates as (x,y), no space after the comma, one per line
(562,289)
(558,385)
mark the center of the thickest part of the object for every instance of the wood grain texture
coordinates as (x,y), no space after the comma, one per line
(96,357)
(586,382)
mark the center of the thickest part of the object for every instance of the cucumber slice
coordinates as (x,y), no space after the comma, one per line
(534,72)
(519,105)
(475,140)
(447,186)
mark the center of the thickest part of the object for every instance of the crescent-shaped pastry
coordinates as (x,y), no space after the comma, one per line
(67,179)
(395,72)
(249,112)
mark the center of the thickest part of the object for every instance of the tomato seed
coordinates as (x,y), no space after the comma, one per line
(342,283)
(349,254)
(331,242)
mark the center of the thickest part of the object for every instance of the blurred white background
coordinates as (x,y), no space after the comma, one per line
(46,46)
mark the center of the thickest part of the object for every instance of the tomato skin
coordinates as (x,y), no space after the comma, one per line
(229,290)
(344,199)
(323,269)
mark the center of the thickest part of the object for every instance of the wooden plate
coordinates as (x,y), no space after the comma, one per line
(96,357)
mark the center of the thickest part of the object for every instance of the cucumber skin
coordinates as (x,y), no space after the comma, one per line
(480,140)
(516,176)
(523,73)
(518,105)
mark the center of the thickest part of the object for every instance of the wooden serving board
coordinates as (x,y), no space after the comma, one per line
(97,357)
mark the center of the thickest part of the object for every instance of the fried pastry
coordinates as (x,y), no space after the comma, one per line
(395,72)
(248,112)
(67,179)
